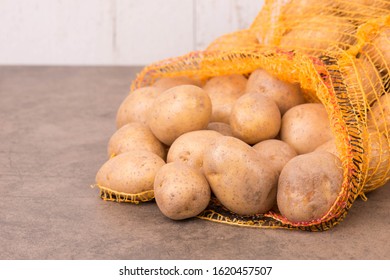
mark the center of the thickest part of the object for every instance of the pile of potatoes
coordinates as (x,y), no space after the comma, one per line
(252,142)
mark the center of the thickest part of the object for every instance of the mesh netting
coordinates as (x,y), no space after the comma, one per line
(339,53)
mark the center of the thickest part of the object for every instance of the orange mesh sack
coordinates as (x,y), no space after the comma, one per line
(339,53)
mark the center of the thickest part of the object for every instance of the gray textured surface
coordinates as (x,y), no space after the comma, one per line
(55,123)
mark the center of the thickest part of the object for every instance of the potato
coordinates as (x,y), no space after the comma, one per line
(379,49)
(305,7)
(136,106)
(318,33)
(305,127)
(285,95)
(275,152)
(379,115)
(363,77)
(132,172)
(223,92)
(308,186)
(135,136)
(220,127)
(239,178)
(189,147)
(164,84)
(181,191)
(179,110)
(378,157)
(255,117)
(329,146)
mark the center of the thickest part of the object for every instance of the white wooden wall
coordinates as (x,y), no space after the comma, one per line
(114,32)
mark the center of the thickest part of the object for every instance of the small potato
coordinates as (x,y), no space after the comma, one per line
(136,106)
(220,127)
(308,186)
(164,84)
(181,191)
(329,146)
(285,95)
(239,178)
(131,172)
(255,117)
(318,33)
(379,115)
(379,49)
(305,127)
(179,110)
(362,77)
(223,92)
(189,147)
(275,152)
(135,136)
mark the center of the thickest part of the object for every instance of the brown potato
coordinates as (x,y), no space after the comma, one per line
(285,95)
(220,127)
(319,32)
(275,152)
(164,84)
(329,146)
(179,110)
(379,115)
(131,172)
(189,147)
(305,127)
(223,92)
(362,77)
(255,117)
(136,106)
(379,49)
(135,136)
(181,191)
(309,185)
(239,178)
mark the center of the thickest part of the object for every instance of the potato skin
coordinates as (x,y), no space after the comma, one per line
(131,172)
(379,114)
(135,107)
(189,147)
(179,110)
(135,136)
(221,127)
(239,178)
(275,152)
(254,118)
(181,191)
(329,146)
(305,127)
(285,95)
(379,49)
(309,185)
(223,92)
(166,83)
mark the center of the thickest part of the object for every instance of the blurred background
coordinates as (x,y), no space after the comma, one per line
(114,32)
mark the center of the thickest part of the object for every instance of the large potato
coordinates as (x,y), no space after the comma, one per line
(136,106)
(275,152)
(379,49)
(362,77)
(164,84)
(179,110)
(135,136)
(221,127)
(329,146)
(255,117)
(319,32)
(239,178)
(308,186)
(189,147)
(285,95)
(223,92)
(131,172)
(305,127)
(379,115)
(181,191)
